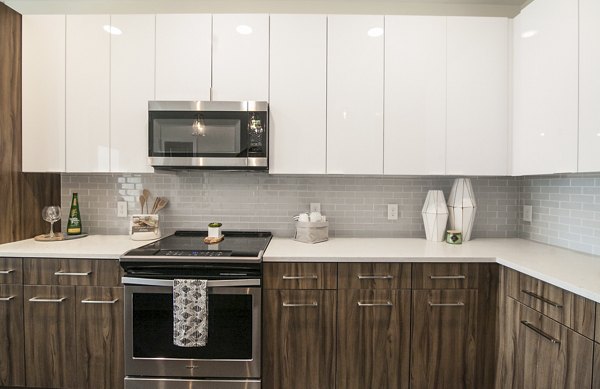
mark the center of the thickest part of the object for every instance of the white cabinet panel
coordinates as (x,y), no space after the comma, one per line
(477,96)
(132,86)
(240,57)
(298,105)
(415,95)
(589,86)
(88,93)
(355,95)
(545,87)
(183,57)
(43,93)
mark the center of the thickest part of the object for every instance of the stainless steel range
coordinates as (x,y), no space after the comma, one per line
(231,358)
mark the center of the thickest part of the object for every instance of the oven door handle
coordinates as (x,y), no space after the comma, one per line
(209,284)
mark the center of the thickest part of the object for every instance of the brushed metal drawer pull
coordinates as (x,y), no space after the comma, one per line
(367,304)
(7,271)
(308,277)
(375,277)
(541,298)
(292,305)
(7,298)
(540,332)
(457,304)
(62,273)
(99,301)
(43,300)
(457,277)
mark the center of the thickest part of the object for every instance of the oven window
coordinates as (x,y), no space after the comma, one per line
(229,328)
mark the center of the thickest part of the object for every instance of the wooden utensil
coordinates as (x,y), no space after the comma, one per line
(161,204)
(156,200)
(142,202)
(146,194)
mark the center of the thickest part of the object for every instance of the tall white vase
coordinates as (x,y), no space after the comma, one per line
(462,207)
(435,215)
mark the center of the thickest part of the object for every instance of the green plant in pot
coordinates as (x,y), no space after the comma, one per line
(214,230)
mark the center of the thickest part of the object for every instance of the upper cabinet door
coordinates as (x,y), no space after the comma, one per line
(298,104)
(44,93)
(355,95)
(240,57)
(183,57)
(477,96)
(415,95)
(545,86)
(589,86)
(131,87)
(88,93)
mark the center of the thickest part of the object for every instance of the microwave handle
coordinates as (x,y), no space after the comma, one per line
(209,284)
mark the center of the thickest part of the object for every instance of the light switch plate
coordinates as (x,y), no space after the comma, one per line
(315,207)
(392,211)
(122,209)
(527,213)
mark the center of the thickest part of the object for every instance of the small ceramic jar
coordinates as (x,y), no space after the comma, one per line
(454,237)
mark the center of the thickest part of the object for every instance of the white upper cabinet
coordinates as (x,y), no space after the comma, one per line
(88,93)
(240,57)
(545,87)
(415,95)
(131,87)
(589,86)
(183,56)
(43,93)
(477,96)
(355,94)
(298,94)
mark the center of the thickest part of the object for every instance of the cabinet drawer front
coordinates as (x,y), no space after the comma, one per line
(567,308)
(12,363)
(445,275)
(11,271)
(374,275)
(300,275)
(85,272)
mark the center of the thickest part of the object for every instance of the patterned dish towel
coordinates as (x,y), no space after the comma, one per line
(190,313)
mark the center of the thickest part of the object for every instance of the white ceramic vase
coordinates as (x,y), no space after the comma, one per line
(435,215)
(462,207)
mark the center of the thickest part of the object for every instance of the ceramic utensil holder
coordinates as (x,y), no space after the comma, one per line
(312,232)
(144,227)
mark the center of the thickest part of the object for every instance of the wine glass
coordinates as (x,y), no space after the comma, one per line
(51,214)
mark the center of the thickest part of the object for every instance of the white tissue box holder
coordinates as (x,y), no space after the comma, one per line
(144,227)
(312,232)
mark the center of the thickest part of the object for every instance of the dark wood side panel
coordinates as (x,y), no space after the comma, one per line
(598,323)
(487,324)
(84,272)
(100,346)
(11,271)
(50,337)
(373,341)
(374,275)
(299,341)
(444,339)
(12,358)
(297,275)
(445,275)
(23,194)
(596,369)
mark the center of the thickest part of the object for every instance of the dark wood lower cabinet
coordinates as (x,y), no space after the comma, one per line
(444,339)
(12,360)
(299,332)
(596,369)
(50,336)
(100,338)
(373,339)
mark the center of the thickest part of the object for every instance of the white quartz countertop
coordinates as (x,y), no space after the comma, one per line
(570,270)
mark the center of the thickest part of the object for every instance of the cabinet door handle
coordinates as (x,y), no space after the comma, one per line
(292,305)
(368,304)
(456,277)
(63,273)
(307,277)
(540,332)
(7,271)
(375,277)
(456,304)
(541,298)
(43,300)
(87,301)
(7,298)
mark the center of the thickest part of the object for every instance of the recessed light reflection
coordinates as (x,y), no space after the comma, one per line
(112,29)
(529,34)
(375,32)
(244,29)
(542,134)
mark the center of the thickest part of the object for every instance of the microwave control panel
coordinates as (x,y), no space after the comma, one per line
(257,134)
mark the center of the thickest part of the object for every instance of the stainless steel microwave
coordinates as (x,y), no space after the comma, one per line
(229,135)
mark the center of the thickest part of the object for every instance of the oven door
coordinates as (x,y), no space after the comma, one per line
(233,348)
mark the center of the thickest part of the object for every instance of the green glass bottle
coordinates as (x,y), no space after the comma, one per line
(74,223)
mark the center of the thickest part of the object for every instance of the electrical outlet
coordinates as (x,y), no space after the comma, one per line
(122,209)
(392,211)
(527,213)
(315,207)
